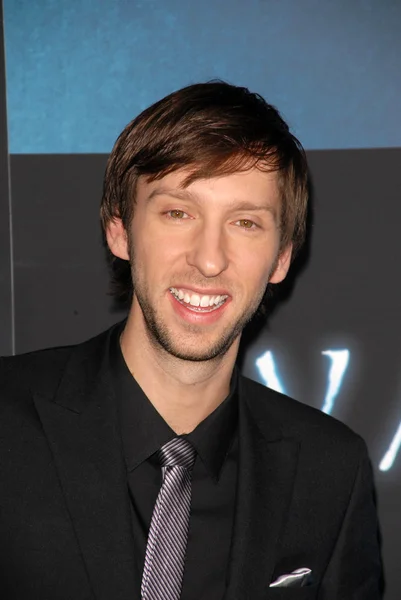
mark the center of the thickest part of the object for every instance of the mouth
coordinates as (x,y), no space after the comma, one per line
(203,303)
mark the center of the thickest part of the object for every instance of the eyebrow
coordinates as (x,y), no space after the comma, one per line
(248,206)
(183,194)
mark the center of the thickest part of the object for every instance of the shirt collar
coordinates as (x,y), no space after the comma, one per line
(213,437)
(144,431)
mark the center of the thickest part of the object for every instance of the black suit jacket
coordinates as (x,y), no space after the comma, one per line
(304,495)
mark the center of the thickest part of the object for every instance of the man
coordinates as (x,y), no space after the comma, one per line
(140,464)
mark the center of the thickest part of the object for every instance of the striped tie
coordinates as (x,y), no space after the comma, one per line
(168,533)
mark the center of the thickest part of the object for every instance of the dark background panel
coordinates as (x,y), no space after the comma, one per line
(344,292)
(61,278)
(348,294)
(6,317)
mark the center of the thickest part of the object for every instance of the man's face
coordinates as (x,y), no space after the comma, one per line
(201,258)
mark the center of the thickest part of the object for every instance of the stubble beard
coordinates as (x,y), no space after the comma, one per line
(160,335)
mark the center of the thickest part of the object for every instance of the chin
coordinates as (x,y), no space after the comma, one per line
(196,352)
(195,355)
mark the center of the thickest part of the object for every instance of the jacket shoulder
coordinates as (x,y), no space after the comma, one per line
(21,370)
(298,420)
(42,370)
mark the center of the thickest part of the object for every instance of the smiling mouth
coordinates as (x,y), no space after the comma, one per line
(198,302)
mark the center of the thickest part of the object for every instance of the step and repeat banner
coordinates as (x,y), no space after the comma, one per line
(77,72)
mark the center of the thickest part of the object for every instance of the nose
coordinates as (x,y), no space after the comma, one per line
(208,251)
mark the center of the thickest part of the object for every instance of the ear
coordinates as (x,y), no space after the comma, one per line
(283,264)
(117,238)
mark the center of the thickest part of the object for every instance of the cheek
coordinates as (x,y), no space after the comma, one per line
(156,251)
(254,267)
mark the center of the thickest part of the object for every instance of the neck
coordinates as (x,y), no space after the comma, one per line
(183,392)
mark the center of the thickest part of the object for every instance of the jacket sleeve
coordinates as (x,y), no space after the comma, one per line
(355,568)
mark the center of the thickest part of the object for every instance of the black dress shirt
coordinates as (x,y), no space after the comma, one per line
(214,478)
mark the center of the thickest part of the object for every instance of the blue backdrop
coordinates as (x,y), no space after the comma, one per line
(78,71)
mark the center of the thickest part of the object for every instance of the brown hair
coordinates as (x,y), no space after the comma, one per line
(210,129)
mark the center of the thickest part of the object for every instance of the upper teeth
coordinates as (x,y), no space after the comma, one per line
(196,299)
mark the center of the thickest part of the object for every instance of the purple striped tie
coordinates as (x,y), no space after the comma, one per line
(168,533)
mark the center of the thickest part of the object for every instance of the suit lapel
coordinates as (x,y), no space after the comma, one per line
(266,472)
(81,425)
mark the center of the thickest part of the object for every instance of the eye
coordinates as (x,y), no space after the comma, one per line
(177,214)
(246,224)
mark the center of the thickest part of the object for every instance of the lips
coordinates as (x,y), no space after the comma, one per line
(198,302)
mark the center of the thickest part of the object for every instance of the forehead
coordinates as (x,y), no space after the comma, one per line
(252,185)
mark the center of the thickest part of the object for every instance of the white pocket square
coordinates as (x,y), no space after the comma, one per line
(297,578)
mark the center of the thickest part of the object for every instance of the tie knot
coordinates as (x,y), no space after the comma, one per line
(178,452)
